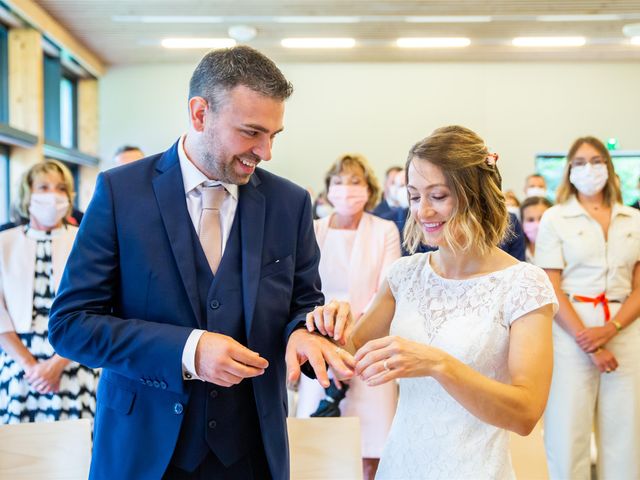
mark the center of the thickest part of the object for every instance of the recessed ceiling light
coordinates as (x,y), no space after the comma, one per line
(448,19)
(311,19)
(198,42)
(318,42)
(548,41)
(579,18)
(631,30)
(166,19)
(635,40)
(434,42)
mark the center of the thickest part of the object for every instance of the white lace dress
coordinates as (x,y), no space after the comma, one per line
(433,436)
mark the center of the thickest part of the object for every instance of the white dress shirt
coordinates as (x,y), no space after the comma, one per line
(193,180)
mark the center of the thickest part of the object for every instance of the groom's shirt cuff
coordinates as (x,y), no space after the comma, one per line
(189,356)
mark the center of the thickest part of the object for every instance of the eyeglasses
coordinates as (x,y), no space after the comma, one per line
(581,162)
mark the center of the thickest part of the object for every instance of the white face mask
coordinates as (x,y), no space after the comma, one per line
(589,179)
(402,197)
(323,210)
(515,210)
(48,208)
(536,192)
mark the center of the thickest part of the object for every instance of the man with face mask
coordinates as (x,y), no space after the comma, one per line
(389,195)
(194,269)
(535,186)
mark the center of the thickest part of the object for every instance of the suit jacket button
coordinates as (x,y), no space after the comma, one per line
(149,383)
(178,408)
(212,424)
(163,385)
(156,384)
(213,393)
(214,304)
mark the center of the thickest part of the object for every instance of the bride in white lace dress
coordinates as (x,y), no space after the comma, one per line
(465,329)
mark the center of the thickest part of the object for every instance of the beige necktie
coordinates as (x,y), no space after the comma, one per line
(210,229)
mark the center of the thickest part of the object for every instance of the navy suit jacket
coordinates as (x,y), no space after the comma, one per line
(128,301)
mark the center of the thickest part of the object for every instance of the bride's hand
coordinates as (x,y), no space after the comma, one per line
(384,359)
(333,320)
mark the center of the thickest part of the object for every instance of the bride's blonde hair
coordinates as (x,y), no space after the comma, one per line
(480,217)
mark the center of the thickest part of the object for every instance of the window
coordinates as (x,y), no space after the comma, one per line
(68,112)
(52,78)
(5,197)
(4,75)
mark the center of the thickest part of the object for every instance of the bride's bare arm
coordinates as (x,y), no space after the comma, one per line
(516,406)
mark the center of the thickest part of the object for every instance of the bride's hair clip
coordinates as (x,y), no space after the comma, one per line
(491,159)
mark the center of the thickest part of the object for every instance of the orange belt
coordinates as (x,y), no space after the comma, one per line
(596,300)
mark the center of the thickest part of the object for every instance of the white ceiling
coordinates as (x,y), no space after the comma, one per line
(118,32)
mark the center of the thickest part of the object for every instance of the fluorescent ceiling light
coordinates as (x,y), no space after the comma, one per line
(635,40)
(579,18)
(445,42)
(198,42)
(631,30)
(318,42)
(449,19)
(305,19)
(548,41)
(166,19)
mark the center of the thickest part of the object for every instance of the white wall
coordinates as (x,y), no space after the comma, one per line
(380,110)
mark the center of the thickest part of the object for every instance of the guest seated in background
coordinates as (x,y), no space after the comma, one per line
(356,250)
(466,329)
(388,200)
(531,211)
(513,204)
(36,384)
(589,245)
(321,206)
(535,186)
(127,154)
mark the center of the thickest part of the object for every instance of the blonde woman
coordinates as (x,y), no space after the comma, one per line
(466,329)
(356,249)
(589,245)
(36,384)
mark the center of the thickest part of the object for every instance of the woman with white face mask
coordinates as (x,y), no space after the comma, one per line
(531,211)
(589,245)
(356,250)
(36,384)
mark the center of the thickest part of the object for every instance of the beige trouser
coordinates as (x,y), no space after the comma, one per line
(581,397)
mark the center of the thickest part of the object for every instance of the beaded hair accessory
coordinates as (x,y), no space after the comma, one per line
(492,159)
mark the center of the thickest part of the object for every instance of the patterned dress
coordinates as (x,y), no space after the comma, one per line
(19,402)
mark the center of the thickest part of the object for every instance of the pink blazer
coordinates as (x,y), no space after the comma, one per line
(376,247)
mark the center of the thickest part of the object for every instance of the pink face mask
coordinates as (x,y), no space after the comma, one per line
(531,230)
(348,199)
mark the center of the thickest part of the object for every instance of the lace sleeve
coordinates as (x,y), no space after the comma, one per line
(531,290)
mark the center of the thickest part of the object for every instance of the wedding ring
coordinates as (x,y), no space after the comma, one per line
(386,367)
(338,350)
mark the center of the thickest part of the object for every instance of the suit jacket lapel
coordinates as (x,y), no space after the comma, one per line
(169,190)
(252,217)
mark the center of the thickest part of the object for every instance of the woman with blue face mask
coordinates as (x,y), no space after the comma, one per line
(36,384)
(356,250)
(589,245)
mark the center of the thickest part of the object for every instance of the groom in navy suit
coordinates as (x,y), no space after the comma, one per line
(196,350)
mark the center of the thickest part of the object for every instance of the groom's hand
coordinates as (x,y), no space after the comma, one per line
(223,361)
(304,346)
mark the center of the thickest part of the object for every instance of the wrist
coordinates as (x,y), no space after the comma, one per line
(616,325)
(440,367)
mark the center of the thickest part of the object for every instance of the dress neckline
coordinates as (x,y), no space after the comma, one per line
(471,279)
